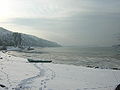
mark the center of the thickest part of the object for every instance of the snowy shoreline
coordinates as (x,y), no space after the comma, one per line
(17,74)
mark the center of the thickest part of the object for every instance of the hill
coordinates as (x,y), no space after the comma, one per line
(10,38)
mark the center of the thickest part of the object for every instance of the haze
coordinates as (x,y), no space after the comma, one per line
(68,22)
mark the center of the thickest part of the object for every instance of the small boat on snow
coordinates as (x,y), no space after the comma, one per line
(39,61)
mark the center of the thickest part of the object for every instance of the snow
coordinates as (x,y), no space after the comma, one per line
(11,48)
(17,74)
(8,37)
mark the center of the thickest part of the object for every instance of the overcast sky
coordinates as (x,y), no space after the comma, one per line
(68,22)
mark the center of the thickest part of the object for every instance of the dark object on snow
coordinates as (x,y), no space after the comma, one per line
(118,87)
(1,58)
(4,51)
(96,67)
(3,86)
(30,48)
(90,66)
(115,68)
(3,48)
(39,61)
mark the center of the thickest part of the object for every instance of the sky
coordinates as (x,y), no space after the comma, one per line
(68,22)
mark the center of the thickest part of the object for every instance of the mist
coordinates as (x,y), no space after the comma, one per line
(68,22)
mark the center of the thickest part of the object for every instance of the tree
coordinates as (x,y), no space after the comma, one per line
(17,39)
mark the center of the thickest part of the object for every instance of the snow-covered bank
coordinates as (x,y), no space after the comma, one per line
(17,74)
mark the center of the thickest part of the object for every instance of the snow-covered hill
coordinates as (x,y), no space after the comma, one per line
(7,38)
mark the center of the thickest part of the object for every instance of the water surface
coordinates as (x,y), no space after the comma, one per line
(103,57)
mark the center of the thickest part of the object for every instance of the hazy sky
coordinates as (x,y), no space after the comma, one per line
(68,22)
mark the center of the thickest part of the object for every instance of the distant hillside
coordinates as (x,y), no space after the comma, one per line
(10,38)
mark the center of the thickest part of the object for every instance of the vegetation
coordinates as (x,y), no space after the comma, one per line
(8,38)
(17,39)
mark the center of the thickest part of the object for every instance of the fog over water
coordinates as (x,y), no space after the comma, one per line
(68,22)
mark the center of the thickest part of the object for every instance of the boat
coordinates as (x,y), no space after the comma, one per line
(39,61)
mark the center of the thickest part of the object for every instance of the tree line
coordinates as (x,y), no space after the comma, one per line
(11,40)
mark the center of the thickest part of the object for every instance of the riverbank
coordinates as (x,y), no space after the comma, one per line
(18,74)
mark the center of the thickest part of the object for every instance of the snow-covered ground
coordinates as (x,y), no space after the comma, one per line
(17,74)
